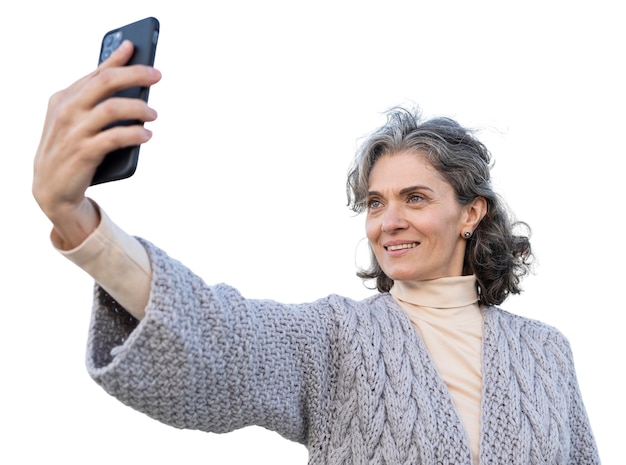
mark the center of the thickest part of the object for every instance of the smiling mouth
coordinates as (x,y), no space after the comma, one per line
(402,246)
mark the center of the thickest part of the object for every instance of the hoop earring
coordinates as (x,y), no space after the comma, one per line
(361,254)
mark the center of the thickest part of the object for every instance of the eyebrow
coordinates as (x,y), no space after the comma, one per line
(406,190)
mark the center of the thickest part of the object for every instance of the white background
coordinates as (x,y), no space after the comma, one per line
(261,106)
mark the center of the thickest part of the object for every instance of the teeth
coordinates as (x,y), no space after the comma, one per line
(402,246)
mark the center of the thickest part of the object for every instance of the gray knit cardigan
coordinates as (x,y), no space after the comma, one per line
(349,379)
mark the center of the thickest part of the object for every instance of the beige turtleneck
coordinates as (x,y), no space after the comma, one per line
(446,314)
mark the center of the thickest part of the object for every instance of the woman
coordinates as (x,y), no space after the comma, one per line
(427,371)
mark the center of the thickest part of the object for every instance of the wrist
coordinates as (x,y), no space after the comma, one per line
(72,225)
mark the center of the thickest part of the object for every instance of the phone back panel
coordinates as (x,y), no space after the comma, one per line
(144,34)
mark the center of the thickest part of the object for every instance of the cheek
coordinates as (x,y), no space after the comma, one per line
(372,229)
(443,226)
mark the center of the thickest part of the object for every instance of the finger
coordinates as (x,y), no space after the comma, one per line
(64,145)
(115,138)
(116,109)
(107,81)
(110,77)
(125,76)
(120,55)
(60,177)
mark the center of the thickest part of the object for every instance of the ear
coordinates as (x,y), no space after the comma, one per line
(473,214)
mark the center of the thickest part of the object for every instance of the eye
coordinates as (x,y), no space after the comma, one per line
(415,198)
(373,204)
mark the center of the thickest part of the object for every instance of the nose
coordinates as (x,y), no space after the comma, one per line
(393,220)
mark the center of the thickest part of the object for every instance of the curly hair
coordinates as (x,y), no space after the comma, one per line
(496,253)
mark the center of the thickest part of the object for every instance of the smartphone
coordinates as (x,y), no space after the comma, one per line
(144,35)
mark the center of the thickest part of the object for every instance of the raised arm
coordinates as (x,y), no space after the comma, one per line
(206,358)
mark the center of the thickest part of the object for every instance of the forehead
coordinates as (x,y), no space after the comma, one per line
(404,169)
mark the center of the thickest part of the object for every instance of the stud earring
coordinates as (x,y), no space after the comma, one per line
(467,234)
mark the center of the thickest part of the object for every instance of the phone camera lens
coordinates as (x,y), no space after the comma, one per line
(110,44)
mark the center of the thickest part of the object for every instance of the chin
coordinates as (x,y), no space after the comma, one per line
(406,276)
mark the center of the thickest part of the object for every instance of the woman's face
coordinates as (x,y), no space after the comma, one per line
(414,223)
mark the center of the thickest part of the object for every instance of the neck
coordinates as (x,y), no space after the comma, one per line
(449,292)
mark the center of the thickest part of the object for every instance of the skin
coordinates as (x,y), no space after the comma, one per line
(411,205)
(73,144)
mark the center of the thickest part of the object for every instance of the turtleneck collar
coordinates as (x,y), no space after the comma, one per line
(449,292)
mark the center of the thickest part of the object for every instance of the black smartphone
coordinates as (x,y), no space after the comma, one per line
(144,35)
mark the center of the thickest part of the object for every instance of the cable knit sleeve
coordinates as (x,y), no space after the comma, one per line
(206,358)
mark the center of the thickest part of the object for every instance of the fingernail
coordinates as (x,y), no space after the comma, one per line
(124,45)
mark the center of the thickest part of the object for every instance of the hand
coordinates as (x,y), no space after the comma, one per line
(73,143)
